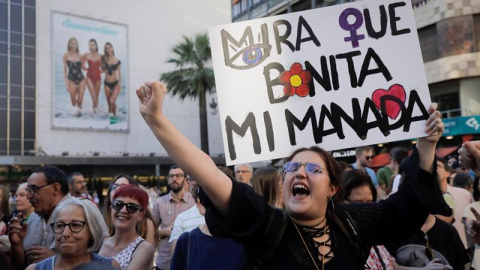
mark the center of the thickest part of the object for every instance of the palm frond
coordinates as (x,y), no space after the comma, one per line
(192,57)
(192,76)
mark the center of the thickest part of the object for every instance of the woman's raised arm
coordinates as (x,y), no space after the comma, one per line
(188,156)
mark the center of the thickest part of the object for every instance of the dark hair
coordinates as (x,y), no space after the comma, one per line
(344,166)
(403,166)
(331,167)
(126,176)
(462,180)
(70,177)
(445,164)
(94,41)
(107,202)
(452,156)
(354,179)
(476,192)
(455,165)
(226,171)
(398,154)
(54,175)
(104,56)
(202,197)
(175,166)
(4,200)
(195,191)
(105,48)
(265,181)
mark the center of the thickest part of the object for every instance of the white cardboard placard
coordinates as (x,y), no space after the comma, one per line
(337,77)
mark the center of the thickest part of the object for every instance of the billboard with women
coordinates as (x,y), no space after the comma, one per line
(89,74)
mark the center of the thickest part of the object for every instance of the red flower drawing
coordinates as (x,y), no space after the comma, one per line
(296,81)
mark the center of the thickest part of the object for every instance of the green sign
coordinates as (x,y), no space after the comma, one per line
(462,125)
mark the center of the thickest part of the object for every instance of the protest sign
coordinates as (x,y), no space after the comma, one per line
(337,77)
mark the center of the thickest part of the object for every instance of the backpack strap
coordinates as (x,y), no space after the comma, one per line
(347,226)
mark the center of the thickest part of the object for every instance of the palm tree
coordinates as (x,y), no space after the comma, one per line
(193,77)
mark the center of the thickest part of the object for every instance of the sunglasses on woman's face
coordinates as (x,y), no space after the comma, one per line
(310,167)
(131,207)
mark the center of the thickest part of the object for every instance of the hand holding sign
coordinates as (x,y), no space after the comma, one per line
(434,124)
(426,145)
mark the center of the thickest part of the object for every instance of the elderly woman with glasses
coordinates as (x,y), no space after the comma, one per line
(129,206)
(79,229)
(314,231)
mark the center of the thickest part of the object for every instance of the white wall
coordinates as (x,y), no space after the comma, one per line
(470,96)
(153,28)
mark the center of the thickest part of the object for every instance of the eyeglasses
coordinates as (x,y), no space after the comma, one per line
(75,226)
(178,175)
(310,167)
(131,207)
(115,186)
(35,189)
(369,157)
(245,171)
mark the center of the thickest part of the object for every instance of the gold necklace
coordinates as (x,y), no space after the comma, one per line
(308,250)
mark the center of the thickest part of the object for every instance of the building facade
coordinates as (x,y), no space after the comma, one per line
(449,34)
(17,77)
(37,124)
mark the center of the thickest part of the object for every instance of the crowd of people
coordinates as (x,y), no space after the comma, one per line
(314,212)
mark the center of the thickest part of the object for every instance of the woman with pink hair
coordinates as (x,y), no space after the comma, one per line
(128,248)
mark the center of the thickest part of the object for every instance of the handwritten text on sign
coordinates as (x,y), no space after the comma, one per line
(339,77)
